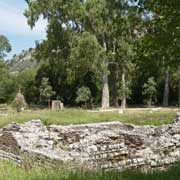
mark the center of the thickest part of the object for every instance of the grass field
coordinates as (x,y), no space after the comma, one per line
(75,116)
(9,171)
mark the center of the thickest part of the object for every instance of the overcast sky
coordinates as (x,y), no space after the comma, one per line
(14,26)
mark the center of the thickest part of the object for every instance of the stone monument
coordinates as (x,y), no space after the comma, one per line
(57,105)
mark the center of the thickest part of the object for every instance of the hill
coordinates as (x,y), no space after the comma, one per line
(22,61)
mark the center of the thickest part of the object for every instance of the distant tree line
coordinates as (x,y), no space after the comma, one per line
(102,53)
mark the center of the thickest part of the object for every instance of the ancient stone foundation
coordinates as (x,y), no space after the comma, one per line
(93,146)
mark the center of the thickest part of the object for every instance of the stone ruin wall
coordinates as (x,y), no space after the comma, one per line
(108,146)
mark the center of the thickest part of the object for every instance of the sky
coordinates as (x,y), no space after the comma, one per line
(13,25)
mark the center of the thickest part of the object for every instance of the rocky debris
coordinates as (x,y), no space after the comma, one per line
(111,145)
(177,120)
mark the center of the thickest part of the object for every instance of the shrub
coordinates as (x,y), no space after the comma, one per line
(83,95)
(150,91)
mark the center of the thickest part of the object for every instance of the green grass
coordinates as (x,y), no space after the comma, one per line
(10,171)
(75,116)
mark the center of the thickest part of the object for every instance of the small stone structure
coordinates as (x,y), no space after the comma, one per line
(57,105)
(108,146)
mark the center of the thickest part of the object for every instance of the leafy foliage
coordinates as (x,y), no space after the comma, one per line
(83,95)
(4,46)
(150,91)
(26,81)
(7,88)
(104,45)
(124,91)
(46,90)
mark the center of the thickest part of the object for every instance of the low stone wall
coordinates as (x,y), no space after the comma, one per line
(93,146)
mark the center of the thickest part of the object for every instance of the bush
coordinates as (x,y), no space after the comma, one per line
(83,95)
(150,91)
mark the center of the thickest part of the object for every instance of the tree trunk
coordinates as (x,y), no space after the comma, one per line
(49,103)
(85,105)
(115,101)
(113,84)
(179,94)
(166,89)
(114,73)
(114,94)
(105,92)
(123,102)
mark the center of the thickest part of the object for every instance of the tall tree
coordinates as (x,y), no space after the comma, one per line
(163,35)
(7,87)
(104,19)
(94,16)
(46,91)
(7,84)
(5,46)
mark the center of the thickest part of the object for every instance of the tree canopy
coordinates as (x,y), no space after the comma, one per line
(5,46)
(111,47)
